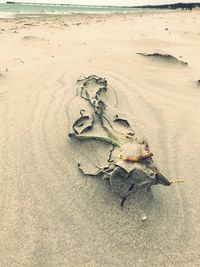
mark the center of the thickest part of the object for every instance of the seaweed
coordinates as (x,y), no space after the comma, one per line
(83,124)
(129,164)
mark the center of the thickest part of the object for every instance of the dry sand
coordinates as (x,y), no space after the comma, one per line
(50,214)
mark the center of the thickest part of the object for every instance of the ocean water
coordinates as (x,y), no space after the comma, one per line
(10,10)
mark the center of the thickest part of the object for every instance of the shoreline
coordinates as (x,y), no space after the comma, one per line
(13,10)
(13,16)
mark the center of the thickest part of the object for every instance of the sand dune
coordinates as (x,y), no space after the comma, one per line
(51,215)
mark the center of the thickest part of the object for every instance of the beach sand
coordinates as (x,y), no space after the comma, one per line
(51,215)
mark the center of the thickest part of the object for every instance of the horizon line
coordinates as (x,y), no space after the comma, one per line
(65,4)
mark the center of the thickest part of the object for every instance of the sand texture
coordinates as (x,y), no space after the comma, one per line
(52,215)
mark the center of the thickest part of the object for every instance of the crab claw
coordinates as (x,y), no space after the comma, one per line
(161,179)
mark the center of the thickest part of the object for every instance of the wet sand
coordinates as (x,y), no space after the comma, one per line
(51,215)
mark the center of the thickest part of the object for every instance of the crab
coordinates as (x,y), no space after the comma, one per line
(130,168)
(130,165)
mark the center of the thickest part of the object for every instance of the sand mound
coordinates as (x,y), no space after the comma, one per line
(164,57)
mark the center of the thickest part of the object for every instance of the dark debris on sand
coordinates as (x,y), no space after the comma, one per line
(130,166)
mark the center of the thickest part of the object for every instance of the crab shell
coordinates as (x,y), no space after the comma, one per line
(123,182)
(127,176)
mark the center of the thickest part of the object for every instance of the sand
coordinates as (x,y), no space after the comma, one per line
(51,215)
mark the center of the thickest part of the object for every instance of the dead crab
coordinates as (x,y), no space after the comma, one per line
(130,168)
(130,165)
